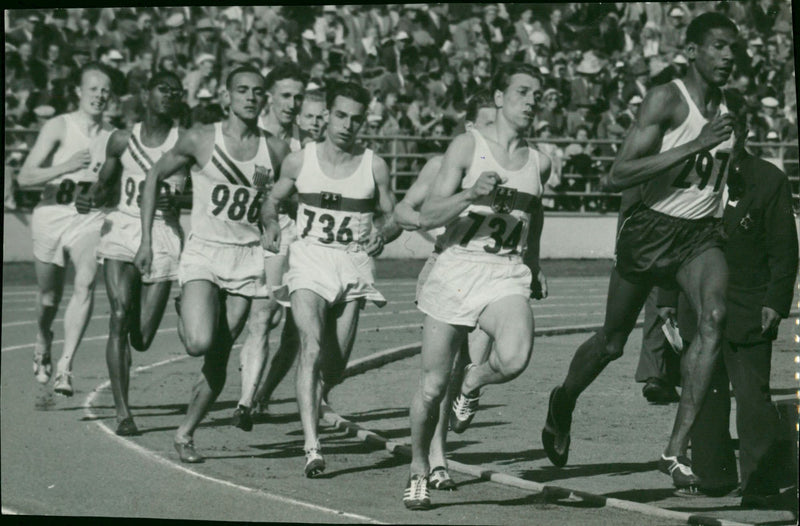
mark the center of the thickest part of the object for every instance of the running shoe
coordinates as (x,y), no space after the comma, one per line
(416,495)
(42,365)
(127,428)
(680,469)
(242,418)
(440,479)
(464,407)
(187,453)
(315,464)
(555,435)
(63,384)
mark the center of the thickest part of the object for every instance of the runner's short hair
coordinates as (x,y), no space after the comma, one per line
(93,66)
(162,76)
(240,70)
(316,95)
(482,99)
(350,90)
(702,25)
(502,78)
(283,71)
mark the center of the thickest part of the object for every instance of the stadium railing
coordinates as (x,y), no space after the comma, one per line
(578,191)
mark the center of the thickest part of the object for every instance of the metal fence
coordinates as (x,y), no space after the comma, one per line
(577,191)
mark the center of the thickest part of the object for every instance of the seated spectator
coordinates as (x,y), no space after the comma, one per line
(113,59)
(586,87)
(551,111)
(26,71)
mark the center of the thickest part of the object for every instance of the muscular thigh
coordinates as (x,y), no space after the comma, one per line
(49,278)
(83,253)
(704,280)
(440,341)
(275,267)
(508,320)
(121,277)
(199,309)
(236,310)
(308,310)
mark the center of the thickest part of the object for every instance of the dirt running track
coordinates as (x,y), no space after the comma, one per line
(60,458)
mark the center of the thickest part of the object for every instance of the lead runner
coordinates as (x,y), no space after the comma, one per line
(678,150)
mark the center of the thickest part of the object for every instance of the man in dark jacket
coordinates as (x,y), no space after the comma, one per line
(762,257)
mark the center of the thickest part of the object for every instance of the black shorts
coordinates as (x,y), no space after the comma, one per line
(652,247)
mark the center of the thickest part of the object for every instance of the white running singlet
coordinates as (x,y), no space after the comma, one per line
(227,194)
(137,160)
(693,189)
(334,212)
(497,224)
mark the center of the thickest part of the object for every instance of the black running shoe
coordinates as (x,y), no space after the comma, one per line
(127,428)
(242,418)
(555,435)
(680,469)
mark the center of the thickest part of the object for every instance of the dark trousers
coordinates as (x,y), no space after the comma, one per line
(757,423)
(656,358)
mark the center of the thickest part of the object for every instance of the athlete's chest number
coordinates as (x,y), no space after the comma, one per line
(343,234)
(132,191)
(703,164)
(66,190)
(499,227)
(237,202)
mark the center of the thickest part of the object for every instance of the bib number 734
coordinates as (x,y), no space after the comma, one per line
(705,165)
(499,227)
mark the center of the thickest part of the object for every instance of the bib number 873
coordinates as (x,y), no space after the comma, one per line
(703,165)
(237,202)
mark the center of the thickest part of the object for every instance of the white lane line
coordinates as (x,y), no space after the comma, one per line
(97,317)
(87,405)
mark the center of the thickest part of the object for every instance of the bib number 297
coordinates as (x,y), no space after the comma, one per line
(703,164)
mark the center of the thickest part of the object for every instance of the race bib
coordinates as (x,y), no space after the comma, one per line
(65,192)
(235,203)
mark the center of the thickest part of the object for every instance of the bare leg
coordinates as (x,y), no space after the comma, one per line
(438,447)
(122,282)
(510,322)
(253,356)
(703,280)
(152,304)
(309,311)
(440,342)
(212,320)
(282,360)
(340,330)
(50,280)
(79,309)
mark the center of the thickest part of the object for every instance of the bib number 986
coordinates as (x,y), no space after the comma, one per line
(236,204)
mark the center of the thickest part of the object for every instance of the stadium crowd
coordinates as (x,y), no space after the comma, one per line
(419,61)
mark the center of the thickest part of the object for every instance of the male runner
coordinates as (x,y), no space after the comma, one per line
(678,149)
(481,113)
(285,85)
(340,187)
(137,301)
(488,196)
(311,119)
(222,266)
(66,157)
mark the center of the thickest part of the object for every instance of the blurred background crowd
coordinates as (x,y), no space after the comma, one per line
(421,62)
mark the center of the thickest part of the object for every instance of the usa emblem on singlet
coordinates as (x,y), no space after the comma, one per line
(330,201)
(504,198)
(262,176)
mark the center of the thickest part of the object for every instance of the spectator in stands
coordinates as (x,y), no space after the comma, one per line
(28,30)
(462,86)
(55,32)
(206,111)
(493,28)
(139,72)
(205,40)
(328,30)
(553,184)
(199,78)
(673,32)
(586,88)
(170,41)
(27,72)
(555,30)
(552,112)
(638,82)
(650,40)
(113,60)
(307,52)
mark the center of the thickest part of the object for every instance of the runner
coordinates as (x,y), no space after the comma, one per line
(481,113)
(137,301)
(331,271)
(285,86)
(671,239)
(66,158)
(222,267)
(488,194)
(311,119)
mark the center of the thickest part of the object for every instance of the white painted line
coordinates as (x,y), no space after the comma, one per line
(97,317)
(87,405)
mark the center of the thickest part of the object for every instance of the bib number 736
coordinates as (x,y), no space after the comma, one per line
(344,234)
(704,165)
(499,226)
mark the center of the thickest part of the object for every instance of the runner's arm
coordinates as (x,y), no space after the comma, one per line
(406,213)
(533,243)
(179,158)
(112,167)
(445,202)
(386,201)
(283,189)
(51,135)
(639,160)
